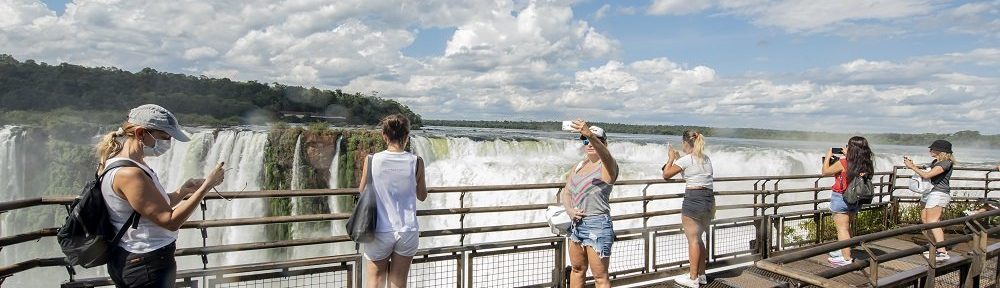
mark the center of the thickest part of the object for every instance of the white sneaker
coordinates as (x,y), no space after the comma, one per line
(702,279)
(839,261)
(939,256)
(683,280)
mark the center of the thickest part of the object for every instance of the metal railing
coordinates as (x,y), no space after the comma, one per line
(641,253)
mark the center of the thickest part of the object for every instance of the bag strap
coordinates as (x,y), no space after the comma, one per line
(133,220)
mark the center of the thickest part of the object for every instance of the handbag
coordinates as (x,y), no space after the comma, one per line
(361,224)
(558,219)
(920,185)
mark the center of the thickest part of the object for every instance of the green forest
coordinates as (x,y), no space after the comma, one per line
(966,138)
(35,93)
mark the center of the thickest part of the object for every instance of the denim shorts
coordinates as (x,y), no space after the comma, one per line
(595,231)
(837,204)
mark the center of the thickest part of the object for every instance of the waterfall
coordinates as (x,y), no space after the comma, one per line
(338,204)
(297,166)
(241,152)
(12,177)
(334,181)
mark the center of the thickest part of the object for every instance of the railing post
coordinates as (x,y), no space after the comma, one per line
(204,234)
(560,259)
(776,193)
(817,217)
(645,232)
(461,219)
(756,187)
(986,186)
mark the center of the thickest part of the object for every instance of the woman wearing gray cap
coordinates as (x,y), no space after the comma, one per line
(589,187)
(145,255)
(939,197)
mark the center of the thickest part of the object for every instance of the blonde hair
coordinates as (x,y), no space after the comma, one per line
(697,142)
(109,144)
(942,156)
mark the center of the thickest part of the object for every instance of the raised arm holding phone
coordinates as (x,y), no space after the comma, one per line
(585,197)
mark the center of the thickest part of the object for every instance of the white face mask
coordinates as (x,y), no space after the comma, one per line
(159,147)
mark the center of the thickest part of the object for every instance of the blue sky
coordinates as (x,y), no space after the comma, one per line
(872,66)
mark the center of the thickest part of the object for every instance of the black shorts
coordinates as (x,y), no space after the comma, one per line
(156,269)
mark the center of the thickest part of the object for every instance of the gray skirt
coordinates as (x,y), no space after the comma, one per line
(699,204)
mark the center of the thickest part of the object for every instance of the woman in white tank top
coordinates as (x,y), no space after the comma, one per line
(145,255)
(398,177)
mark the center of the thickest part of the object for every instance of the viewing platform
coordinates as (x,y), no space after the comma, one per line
(769,231)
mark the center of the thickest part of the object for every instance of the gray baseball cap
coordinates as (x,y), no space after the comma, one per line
(153,116)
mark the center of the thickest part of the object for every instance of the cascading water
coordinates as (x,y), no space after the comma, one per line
(452,158)
(338,204)
(241,152)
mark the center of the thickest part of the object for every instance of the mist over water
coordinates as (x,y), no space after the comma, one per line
(453,157)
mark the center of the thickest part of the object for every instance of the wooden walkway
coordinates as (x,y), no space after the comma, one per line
(903,269)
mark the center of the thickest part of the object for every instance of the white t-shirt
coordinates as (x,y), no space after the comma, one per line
(394,175)
(696,173)
(148,236)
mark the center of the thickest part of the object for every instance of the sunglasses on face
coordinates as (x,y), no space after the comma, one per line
(586,142)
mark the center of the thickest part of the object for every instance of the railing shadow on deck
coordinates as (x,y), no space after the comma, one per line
(640,253)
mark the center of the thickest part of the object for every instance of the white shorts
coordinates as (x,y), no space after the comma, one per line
(936,199)
(386,243)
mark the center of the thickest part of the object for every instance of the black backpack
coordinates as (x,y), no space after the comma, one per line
(88,235)
(861,190)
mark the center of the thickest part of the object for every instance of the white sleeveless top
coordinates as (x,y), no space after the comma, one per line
(147,236)
(394,176)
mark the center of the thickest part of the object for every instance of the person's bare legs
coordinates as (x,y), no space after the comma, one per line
(695,246)
(377,271)
(598,267)
(931,215)
(399,270)
(578,264)
(843,223)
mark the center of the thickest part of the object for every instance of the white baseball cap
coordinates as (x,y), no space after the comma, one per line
(598,131)
(152,116)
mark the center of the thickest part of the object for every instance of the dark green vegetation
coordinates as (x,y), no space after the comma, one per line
(315,141)
(966,138)
(37,93)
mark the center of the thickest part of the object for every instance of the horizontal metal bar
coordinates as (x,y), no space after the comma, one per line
(264,220)
(213,271)
(28,237)
(7,271)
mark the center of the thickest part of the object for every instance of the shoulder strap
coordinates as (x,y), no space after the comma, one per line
(120,164)
(133,220)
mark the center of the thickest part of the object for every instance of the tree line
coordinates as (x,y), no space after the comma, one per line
(28,88)
(964,138)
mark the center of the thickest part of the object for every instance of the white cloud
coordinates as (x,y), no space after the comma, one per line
(678,7)
(602,12)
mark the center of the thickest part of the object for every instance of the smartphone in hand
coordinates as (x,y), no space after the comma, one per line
(568,126)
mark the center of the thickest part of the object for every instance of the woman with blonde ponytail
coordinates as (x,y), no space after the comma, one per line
(935,201)
(144,257)
(698,208)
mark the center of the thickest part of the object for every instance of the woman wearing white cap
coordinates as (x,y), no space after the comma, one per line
(589,185)
(145,255)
